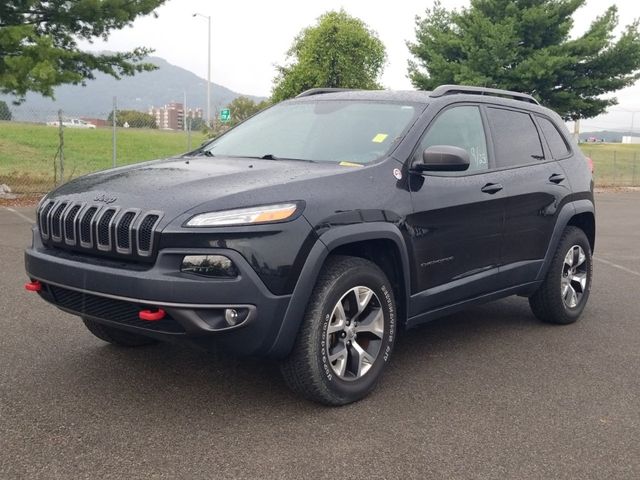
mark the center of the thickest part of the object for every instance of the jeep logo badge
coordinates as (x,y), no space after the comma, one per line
(105,199)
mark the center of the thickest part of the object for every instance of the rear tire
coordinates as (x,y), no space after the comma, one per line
(122,338)
(347,335)
(564,293)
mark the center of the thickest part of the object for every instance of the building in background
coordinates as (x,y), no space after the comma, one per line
(172,115)
(98,122)
(630,139)
(195,113)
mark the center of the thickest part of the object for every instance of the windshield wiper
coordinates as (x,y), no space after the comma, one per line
(271,156)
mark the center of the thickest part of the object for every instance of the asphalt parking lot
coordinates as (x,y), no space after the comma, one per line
(488,393)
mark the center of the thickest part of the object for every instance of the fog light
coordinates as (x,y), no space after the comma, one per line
(209,266)
(231,316)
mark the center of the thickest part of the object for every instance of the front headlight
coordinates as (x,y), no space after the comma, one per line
(244,216)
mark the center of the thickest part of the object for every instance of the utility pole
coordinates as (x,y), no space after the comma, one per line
(60,148)
(115,109)
(576,130)
(208,17)
(633,116)
(186,121)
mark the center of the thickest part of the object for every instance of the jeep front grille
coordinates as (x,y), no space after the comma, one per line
(43,216)
(69,225)
(145,234)
(56,222)
(104,229)
(124,234)
(98,229)
(86,230)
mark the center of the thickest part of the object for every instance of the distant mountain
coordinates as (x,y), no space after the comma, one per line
(606,136)
(167,84)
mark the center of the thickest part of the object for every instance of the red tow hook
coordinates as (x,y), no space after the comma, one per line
(34,286)
(152,315)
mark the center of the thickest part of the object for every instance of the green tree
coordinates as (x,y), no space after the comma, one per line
(38,42)
(217,128)
(134,119)
(339,51)
(5,112)
(524,45)
(196,124)
(243,107)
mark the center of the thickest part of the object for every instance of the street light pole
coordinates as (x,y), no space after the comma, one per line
(208,17)
(633,116)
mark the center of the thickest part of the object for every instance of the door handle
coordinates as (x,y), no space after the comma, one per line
(491,188)
(557,178)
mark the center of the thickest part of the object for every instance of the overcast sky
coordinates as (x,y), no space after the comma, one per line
(250,36)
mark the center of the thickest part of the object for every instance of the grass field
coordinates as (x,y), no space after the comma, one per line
(615,164)
(27,151)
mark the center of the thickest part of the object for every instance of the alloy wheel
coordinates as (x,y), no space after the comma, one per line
(355,332)
(574,277)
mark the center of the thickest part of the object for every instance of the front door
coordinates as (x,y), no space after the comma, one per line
(457,221)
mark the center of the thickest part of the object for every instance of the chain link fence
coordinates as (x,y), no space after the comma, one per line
(615,164)
(42,149)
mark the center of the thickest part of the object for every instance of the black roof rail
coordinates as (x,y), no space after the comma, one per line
(443,90)
(318,91)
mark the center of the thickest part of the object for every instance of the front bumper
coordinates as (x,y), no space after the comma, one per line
(113,293)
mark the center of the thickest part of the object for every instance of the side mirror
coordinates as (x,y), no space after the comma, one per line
(443,158)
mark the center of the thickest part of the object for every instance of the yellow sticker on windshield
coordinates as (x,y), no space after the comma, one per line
(350,164)
(379,138)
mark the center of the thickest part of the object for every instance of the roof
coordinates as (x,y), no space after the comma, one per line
(417,96)
(411,96)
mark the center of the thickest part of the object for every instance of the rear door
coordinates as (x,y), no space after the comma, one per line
(532,187)
(457,220)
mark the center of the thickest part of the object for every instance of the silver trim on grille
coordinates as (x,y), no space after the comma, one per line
(64,205)
(142,252)
(42,220)
(106,247)
(136,213)
(74,240)
(48,209)
(88,244)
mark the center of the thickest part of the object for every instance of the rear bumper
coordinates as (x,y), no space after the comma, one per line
(114,293)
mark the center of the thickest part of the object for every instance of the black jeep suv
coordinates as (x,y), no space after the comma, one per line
(316,230)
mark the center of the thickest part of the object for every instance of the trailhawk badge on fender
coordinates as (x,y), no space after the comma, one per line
(397,173)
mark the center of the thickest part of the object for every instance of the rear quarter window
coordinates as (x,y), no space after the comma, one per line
(557,144)
(515,138)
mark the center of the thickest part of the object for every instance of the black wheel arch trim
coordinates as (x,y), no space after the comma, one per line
(568,211)
(329,241)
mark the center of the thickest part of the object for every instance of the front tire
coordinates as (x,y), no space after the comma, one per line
(347,335)
(122,338)
(564,293)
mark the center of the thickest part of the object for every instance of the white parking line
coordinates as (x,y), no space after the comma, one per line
(24,217)
(615,265)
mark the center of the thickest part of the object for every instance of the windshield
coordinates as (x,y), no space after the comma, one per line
(333,131)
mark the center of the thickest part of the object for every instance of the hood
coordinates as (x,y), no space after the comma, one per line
(176,185)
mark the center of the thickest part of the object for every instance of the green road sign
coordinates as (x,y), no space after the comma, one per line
(225,115)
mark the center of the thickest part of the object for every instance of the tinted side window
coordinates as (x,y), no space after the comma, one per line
(459,127)
(557,144)
(515,138)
